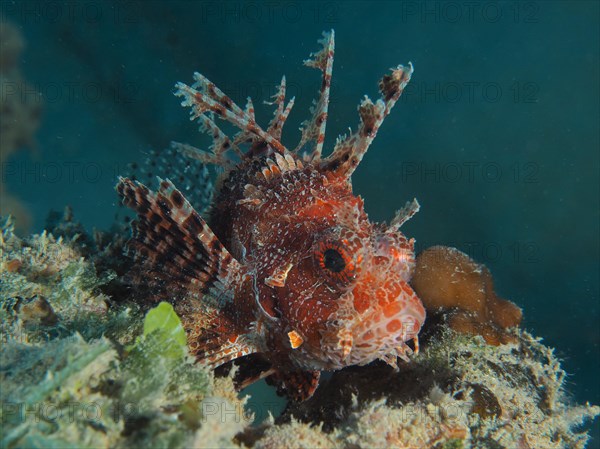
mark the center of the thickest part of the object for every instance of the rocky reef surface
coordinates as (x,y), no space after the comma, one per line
(82,365)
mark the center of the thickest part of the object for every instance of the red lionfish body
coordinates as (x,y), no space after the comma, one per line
(290,268)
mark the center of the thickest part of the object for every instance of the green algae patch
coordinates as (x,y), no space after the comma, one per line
(453,444)
(170,339)
(158,367)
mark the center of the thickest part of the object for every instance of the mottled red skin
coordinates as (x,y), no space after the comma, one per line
(301,210)
(262,232)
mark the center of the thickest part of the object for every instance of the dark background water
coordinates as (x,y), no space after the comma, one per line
(497,134)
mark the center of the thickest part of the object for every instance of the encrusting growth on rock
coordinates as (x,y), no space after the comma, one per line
(449,280)
(458,393)
(146,390)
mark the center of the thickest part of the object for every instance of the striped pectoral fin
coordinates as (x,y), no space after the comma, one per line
(216,336)
(297,385)
(214,349)
(175,251)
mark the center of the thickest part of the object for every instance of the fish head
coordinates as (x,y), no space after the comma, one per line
(356,304)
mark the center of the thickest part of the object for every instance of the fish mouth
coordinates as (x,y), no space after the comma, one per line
(384,337)
(380,333)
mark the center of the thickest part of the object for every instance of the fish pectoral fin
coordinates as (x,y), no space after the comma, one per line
(228,351)
(216,342)
(297,385)
(175,249)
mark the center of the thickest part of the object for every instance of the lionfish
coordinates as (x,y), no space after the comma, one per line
(289,268)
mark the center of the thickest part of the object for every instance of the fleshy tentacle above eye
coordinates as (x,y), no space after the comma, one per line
(404,214)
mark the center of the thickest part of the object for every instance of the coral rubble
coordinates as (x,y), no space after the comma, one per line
(82,367)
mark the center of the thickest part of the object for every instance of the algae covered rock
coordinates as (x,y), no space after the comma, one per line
(458,393)
(79,369)
(46,280)
(69,392)
(84,366)
(51,395)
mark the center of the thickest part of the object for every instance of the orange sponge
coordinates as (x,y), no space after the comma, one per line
(448,279)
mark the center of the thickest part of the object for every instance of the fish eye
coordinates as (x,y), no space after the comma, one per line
(335,261)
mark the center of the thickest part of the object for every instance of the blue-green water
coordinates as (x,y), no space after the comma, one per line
(497,134)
